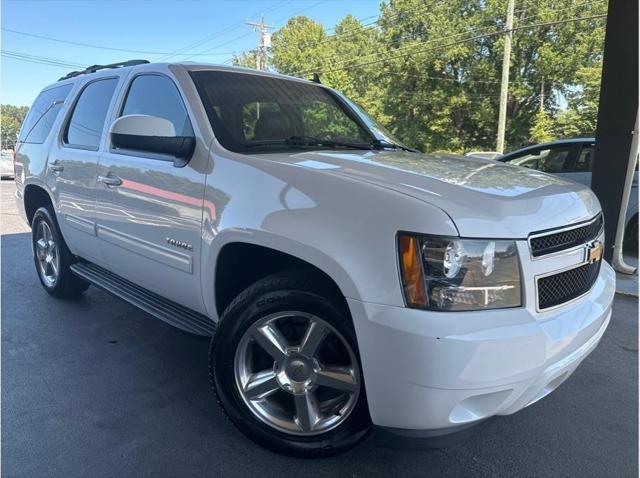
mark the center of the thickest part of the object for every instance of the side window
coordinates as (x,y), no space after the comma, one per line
(584,163)
(41,116)
(529,160)
(157,95)
(87,120)
(553,160)
(548,160)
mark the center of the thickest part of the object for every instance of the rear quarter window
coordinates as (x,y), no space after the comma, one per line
(43,114)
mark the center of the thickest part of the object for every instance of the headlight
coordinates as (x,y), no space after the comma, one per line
(449,273)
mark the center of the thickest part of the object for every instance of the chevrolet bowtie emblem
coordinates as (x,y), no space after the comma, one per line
(594,252)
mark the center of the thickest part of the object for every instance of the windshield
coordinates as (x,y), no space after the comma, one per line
(257,114)
(379,131)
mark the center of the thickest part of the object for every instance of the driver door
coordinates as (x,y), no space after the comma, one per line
(149,212)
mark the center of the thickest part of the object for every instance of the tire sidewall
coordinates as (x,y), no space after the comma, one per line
(233,325)
(67,285)
(43,214)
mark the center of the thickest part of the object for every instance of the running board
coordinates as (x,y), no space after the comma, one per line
(152,303)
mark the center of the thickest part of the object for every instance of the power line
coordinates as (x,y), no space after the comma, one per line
(86,45)
(40,59)
(444,78)
(249,33)
(459,42)
(406,47)
(556,10)
(265,41)
(128,50)
(206,39)
(207,52)
(388,44)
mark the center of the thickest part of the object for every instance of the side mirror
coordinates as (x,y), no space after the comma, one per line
(152,135)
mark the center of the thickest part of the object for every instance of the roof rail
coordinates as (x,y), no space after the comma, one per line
(94,68)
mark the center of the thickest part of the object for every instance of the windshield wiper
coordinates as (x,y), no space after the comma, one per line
(309,141)
(304,140)
(384,144)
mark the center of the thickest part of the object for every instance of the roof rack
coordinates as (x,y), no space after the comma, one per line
(94,68)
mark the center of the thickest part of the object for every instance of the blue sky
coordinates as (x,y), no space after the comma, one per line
(151,26)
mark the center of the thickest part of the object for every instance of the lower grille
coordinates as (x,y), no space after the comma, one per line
(560,288)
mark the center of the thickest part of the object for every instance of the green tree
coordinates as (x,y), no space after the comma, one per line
(11,118)
(246,60)
(542,129)
(579,119)
(298,47)
(430,70)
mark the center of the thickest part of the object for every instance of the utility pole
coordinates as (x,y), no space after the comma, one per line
(504,85)
(265,41)
(542,96)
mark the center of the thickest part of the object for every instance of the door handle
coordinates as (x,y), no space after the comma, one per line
(55,167)
(110,181)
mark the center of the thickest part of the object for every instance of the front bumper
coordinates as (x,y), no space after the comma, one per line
(444,370)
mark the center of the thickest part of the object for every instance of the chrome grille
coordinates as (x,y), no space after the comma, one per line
(559,288)
(542,244)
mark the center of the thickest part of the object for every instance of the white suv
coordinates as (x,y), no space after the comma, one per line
(348,282)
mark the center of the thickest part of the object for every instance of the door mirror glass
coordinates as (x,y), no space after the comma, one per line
(151,134)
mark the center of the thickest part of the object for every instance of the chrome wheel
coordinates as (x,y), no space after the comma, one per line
(297,373)
(46,251)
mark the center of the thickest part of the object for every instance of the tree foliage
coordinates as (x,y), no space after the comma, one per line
(417,73)
(11,118)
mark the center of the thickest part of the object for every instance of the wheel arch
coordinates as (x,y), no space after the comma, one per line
(265,254)
(35,196)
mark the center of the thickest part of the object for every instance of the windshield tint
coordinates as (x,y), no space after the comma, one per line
(257,114)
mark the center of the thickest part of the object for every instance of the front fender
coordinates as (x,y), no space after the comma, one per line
(278,243)
(344,226)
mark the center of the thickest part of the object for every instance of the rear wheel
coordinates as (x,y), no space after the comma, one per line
(285,368)
(52,258)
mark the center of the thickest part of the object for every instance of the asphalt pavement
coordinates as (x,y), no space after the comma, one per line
(95,387)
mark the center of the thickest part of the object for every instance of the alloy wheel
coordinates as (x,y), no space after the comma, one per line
(297,373)
(46,251)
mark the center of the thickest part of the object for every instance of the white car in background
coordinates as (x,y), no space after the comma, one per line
(484,154)
(573,159)
(6,164)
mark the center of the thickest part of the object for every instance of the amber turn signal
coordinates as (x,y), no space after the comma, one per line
(411,270)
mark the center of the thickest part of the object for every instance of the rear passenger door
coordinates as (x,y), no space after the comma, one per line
(149,210)
(73,162)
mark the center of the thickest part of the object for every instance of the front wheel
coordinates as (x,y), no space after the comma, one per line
(285,368)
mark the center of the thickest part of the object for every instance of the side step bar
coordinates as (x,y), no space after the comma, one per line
(152,303)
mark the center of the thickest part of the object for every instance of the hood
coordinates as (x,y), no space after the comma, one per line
(484,198)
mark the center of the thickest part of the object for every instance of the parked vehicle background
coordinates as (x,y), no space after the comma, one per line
(484,154)
(573,159)
(6,164)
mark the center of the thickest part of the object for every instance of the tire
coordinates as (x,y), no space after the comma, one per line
(55,276)
(270,297)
